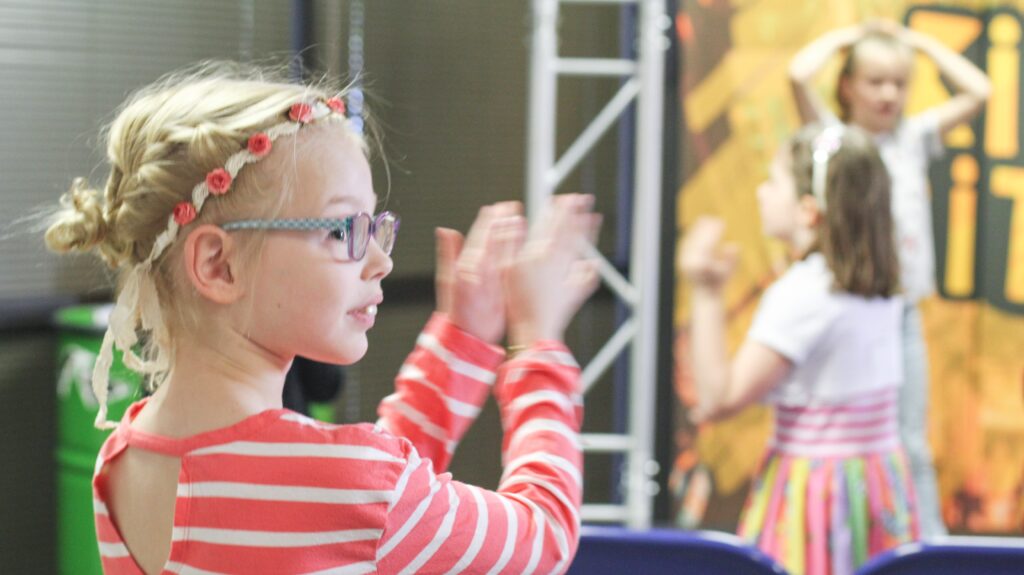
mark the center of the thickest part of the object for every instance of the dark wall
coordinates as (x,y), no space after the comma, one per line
(449,82)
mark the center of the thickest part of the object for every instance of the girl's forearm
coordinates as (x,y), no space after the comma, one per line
(964,75)
(813,57)
(708,349)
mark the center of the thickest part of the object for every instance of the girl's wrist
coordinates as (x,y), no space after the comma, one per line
(523,335)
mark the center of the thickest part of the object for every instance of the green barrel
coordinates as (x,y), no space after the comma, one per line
(81,330)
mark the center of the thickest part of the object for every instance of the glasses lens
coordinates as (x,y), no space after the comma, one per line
(385,231)
(360,236)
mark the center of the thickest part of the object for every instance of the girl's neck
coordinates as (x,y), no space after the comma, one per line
(216,381)
(801,243)
(875,131)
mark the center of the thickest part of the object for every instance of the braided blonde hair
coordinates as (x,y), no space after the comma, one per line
(164,141)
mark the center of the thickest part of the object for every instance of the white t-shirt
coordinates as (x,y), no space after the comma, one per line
(842,346)
(906,152)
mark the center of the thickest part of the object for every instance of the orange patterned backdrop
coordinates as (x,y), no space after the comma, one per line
(737,108)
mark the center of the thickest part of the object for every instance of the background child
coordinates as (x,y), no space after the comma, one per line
(823,349)
(872,92)
(238,213)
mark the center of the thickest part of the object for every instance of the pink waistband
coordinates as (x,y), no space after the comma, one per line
(857,427)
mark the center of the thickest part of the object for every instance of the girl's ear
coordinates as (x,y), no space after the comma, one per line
(842,88)
(208,259)
(808,211)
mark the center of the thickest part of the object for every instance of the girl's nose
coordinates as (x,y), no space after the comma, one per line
(376,264)
(890,92)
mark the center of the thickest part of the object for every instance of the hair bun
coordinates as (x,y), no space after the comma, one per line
(80,225)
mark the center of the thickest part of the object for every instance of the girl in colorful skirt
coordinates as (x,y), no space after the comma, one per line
(824,350)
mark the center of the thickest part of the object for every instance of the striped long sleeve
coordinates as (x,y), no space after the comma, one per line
(530,524)
(439,390)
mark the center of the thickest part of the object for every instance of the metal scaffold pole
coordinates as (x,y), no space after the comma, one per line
(643,83)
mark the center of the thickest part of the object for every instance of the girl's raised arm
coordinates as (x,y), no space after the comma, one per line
(446,379)
(806,64)
(531,522)
(724,387)
(971,84)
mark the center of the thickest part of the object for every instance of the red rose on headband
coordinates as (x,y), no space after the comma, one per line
(259,144)
(184,213)
(336,104)
(301,112)
(218,181)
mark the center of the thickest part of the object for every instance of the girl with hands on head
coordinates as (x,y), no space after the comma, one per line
(239,213)
(875,78)
(823,350)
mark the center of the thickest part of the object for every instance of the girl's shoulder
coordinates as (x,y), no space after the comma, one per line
(808,277)
(299,429)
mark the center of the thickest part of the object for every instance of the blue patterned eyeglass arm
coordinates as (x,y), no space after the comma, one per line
(304,224)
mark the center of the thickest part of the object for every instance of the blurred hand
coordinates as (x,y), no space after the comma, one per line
(884,26)
(701,260)
(848,36)
(468,276)
(548,273)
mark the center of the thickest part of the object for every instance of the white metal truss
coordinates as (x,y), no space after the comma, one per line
(644,84)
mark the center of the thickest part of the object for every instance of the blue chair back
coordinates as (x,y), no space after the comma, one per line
(619,551)
(951,556)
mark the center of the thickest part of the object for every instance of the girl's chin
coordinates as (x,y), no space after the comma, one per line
(346,355)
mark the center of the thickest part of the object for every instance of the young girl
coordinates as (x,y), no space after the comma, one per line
(872,91)
(239,212)
(823,349)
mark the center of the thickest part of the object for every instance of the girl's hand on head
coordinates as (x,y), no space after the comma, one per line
(892,28)
(468,277)
(549,273)
(848,36)
(702,261)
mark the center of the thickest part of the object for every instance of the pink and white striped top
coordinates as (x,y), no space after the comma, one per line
(867,424)
(281,493)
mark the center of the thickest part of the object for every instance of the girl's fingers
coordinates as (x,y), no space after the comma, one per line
(449,245)
(478,231)
(728,258)
(505,209)
(584,279)
(509,237)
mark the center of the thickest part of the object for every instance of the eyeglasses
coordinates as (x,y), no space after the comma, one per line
(355,231)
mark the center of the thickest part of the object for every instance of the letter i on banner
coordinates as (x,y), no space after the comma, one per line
(1002,142)
(963,223)
(955,181)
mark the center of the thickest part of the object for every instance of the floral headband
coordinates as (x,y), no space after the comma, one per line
(218,181)
(137,304)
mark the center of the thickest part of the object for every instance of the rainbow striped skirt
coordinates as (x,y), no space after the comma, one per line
(834,488)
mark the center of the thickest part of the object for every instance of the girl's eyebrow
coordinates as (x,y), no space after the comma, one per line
(346,199)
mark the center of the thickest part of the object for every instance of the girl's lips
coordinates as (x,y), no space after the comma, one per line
(366,315)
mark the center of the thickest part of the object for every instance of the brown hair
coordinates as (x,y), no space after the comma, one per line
(856,233)
(876,37)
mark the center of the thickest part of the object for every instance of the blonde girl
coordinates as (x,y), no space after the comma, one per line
(241,217)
